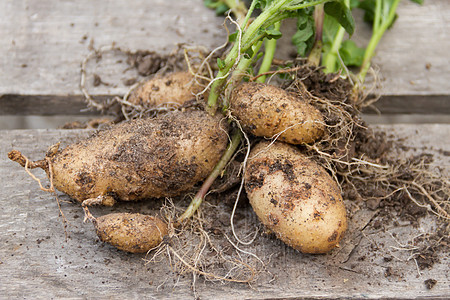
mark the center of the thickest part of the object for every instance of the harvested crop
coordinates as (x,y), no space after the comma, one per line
(175,88)
(136,233)
(295,198)
(267,111)
(142,158)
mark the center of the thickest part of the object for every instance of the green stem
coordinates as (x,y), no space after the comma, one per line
(269,52)
(309,4)
(330,60)
(375,39)
(237,49)
(200,196)
(377,19)
(241,71)
(277,11)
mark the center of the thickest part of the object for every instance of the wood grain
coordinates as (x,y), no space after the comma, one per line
(36,261)
(42,44)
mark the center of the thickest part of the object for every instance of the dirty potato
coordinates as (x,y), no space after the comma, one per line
(265,110)
(142,158)
(295,198)
(134,233)
(175,88)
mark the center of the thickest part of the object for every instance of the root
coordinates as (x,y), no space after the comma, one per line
(347,154)
(21,159)
(191,249)
(182,56)
(46,165)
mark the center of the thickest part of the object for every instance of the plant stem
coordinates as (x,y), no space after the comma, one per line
(200,196)
(242,69)
(330,60)
(376,37)
(238,8)
(269,52)
(305,5)
(247,40)
(275,12)
(316,51)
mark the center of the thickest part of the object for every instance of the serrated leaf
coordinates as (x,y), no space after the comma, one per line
(342,14)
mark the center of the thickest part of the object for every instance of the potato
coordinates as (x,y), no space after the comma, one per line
(143,158)
(266,110)
(134,233)
(295,198)
(177,88)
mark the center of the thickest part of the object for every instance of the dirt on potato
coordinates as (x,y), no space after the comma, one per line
(400,192)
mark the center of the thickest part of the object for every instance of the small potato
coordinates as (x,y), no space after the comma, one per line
(266,110)
(295,198)
(134,233)
(139,159)
(175,88)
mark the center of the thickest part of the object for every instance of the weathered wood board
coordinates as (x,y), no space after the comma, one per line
(37,262)
(42,44)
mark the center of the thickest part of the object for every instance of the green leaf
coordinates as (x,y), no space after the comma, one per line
(222,9)
(368,6)
(220,63)
(303,39)
(354,3)
(233,37)
(209,3)
(351,54)
(263,4)
(273,33)
(342,14)
(330,28)
(417,1)
(248,53)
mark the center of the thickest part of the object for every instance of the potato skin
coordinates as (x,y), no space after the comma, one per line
(143,158)
(295,198)
(135,233)
(177,87)
(266,110)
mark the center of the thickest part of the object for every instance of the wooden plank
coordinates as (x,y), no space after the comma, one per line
(49,105)
(37,262)
(42,44)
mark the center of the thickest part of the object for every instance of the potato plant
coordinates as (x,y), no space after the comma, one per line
(166,156)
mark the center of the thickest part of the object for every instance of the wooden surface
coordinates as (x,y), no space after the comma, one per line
(42,44)
(37,262)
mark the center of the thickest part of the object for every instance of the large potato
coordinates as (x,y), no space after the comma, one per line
(266,110)
(295,198)
(143,158)
(134,233)
(175,88)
